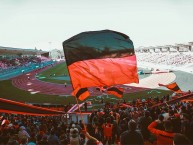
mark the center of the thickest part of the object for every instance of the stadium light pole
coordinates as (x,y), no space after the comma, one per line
(50,43)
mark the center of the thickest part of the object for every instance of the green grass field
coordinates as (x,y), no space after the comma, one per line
(58,70)
(8,91)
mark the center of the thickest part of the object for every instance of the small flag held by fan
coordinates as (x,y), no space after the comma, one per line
(116,91)
(173,87)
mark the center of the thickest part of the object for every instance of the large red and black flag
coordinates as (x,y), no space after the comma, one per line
(100,58)
(173,87)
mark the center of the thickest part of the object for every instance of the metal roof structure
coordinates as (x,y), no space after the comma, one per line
(11,50)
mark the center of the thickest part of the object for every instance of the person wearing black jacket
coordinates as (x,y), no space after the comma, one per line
(132,136)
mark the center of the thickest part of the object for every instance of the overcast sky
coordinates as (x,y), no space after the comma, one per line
(45,24)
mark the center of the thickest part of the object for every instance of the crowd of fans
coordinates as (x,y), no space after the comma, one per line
(173,59)
(121,123)
(14,66)
(20,61)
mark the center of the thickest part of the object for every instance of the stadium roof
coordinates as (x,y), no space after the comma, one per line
(11,50)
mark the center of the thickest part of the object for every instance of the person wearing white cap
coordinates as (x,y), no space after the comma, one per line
(23,133)
(74,135)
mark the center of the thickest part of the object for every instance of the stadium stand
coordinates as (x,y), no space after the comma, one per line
(150,123)
(174,59)
(153,120)
(21,61)
(172,55)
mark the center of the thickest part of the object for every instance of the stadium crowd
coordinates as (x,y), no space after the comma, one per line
(12,67)
(173,59)
(6,63)
(121,123)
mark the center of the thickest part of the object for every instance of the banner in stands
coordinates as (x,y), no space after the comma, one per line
(100,58)
(173,87)
(8,106)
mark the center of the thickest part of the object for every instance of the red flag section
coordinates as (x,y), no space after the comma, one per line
(103,72)
(173,87)
(13,107)
(100,58)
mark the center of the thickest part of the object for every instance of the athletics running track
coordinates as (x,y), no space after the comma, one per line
(33,85)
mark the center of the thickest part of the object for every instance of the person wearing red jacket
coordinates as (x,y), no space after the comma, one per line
(163,137)
(107,131)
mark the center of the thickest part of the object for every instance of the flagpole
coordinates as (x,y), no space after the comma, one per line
(80,113)
(75,96)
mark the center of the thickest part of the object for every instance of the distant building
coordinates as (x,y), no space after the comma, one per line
(179,48)
(56,54)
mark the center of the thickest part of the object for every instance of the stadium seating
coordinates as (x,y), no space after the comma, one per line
(10,68)
(24,129)
(40,129)
(173,59)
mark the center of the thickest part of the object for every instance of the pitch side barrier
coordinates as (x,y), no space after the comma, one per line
(177,98)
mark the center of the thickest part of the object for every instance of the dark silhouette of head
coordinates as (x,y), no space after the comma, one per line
(161,117)
(132,125)
(168,126)
(147,114)
(108,120)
